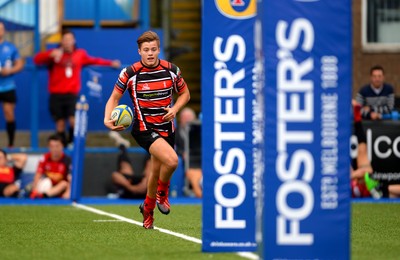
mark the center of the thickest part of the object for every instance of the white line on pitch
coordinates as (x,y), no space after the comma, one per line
(107,220)
(166,231)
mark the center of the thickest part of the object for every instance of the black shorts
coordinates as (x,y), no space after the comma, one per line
(147,138)
(62,106)
(8,96)
(195,161)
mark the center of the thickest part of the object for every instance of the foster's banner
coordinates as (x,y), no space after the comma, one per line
(307,47)
(229,106)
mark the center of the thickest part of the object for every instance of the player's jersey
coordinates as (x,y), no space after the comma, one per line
(151,90)
(55,170)
(9,174)
(8,54)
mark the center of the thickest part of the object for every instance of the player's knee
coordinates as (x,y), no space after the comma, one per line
(172,162)
(63,184)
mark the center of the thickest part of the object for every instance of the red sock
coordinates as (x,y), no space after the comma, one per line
(163,186)
(149,203)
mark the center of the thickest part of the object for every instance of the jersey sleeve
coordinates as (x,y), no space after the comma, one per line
(179,82)
(43,58)
(122,81)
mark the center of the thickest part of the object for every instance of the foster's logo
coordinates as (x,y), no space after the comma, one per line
(237,9)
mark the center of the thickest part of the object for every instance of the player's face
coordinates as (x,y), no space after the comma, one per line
(68,42)
(377,78)
(56,149)
(149,52)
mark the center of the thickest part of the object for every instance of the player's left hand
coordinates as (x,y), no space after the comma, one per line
(170,115)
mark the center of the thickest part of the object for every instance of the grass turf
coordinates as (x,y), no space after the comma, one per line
(66,232)
(375,231)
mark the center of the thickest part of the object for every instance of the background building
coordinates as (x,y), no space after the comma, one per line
(376,40)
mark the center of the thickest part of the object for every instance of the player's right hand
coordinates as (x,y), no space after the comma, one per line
(57,54)
(110,124)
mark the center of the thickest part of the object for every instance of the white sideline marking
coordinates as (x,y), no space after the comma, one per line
(166,231)
(107,220)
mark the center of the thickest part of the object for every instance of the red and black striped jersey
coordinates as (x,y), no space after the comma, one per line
(151,90)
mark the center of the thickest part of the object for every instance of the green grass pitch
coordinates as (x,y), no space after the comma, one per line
(67,232)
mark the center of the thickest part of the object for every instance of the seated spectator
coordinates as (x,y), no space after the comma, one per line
(192,165)
(129,184)
(10,169)
(376,98)
(53,176)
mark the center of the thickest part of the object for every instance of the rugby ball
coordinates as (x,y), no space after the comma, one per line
(123,115)
(44,185)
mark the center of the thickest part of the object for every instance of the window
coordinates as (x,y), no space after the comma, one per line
(381,25)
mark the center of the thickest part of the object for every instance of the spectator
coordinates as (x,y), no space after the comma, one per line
(65,65)
(185,116)
(130,185)
(53,176)
(151,83)
(192,164)
(376,98)
(10,174)
(10,63)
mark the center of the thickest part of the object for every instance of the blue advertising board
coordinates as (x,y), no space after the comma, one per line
(307,50)
(228,105)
